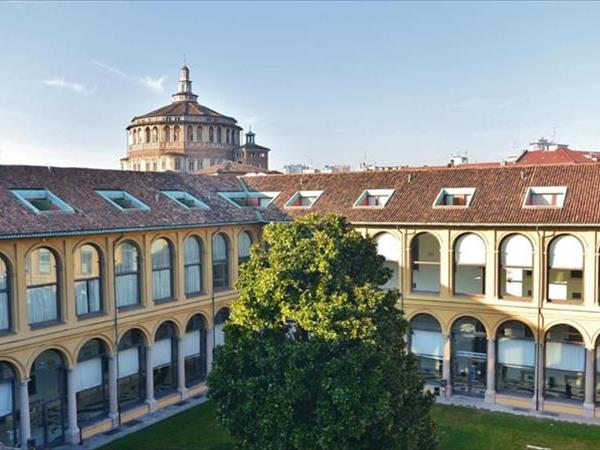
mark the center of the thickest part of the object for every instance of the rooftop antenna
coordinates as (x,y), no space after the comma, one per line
(184,60)
(554,133)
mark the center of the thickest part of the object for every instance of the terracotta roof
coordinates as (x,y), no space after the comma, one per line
(184,108)
(560,155)
(498,198)
(93,213)
(232,168)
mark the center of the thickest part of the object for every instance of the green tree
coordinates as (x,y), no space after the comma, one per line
(315,355)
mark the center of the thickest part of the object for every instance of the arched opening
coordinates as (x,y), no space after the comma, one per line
(5,296)
(91,382)
(427,344)
(42,286)
(469,357)
(47,399)
(388,246)
(164,360)
(244,245)
(147,135)
(88,280)
(167,134)
(469,265)
(220,318)
(139,136)
(220,261)
(9,401)
(219,135)
(127,274)
(199,136)
(425,263)
(154,134)
(192,262)
(515,366)
(190,133)
(211,134)
(516,267)
(194,345)
(132,369)
(162,270)
(227,139)
(565,269)
(564,364)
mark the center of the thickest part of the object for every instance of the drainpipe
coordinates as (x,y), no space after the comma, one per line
(116,326)
(542,272)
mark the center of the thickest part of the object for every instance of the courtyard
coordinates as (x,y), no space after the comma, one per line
(460,428)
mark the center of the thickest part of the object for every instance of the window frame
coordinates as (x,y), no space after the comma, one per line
(107,193)
(230,195)
(169,268)
(540,190)
(173,195)
(298,195)
(199,264)
(374,193)
(137,273)
(221,263)
(8,292)
(444,192)
(23,195)
(87,281)
(57,283)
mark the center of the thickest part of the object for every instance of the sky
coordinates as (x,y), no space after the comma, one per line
(320,83)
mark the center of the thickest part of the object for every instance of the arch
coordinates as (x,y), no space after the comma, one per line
(426,342)
(132,366)
(564,363)
(211,134)
(222,315)
(16,366)
(220,260)
(461,315)
(227,134)
(176,133)
(64,352)
(162,269)
(170,323)
(146,334)
(245,241)
(219,135)
(193,263)
(109,345)
(91,381)
(6,295)
(190,133)
(433,314)
(388,246)
(565,269)
(154,134)
(164,357)
(147,135)
(42,268)
(127,272)
(469,265)
(515,269)
(425,261)
(166,133)
(516,358)
(199,135)
(195,349)
(88,273)
(566,252)
(468,355)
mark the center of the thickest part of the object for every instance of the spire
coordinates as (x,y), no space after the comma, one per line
(184,92)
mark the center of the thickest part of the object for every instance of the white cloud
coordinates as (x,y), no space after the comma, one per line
(154,84)
(75,87)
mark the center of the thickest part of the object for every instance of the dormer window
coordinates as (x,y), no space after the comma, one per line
(545,196)
(303,199)
(186,200)
(41,201)
(123,200)
(454,197)
(250,199)
(373,198)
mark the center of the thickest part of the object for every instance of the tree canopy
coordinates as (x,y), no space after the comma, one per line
(315,354)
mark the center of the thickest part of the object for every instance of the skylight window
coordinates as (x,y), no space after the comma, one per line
(303,199)
(41,201)
(123,200)
(373,198)
(186,200)
(454,197)
(250,199)
(545,196)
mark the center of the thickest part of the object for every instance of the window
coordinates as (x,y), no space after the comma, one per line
(147,135)
(91,382)
(565,269)
(184,199)
(123,200)
(469,265)
(545,196)
(452,197)
(154,134)
(87,280)
(177,164)
(127,275)
(162,270)
(132,359)
(5,322)
(192,266)
(303,199)
(8,405)
(176,133)
(220,261)
(516,267)
(164,360)
(425,263)
(41,201)
(565,364)
(194,350)
(42,287)
(227,135)
(515,367)
(219,135)
(220,319)
(199,136)
(250,199)
(167,134)
(190,133)
(374,198)
(468,357)
(211,134)
(427,344)
(388,246)
(244,245)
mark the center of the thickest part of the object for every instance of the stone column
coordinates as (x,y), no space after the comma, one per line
(25,422)
(113,397)
(181,369)
(538,396)
(72,432)
(490,388)
(446,370)
(209,349)
(588,403)
(149,379)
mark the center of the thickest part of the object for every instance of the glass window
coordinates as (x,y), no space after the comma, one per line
(123,200)
(454,197)
(565,269)
(9,421)
(41,201)
(515,362)
(164,360)
(545,196)
(303,199)
(388,246)
(127,275)
(194,343)
(211,134)
(162,270)
(427,344)
(469,357)
(250,199)
(220,319)
(5,321)
(91,382)
(42,286)
(516,267)
(565,364)
(185,199)
(132,366)
(425,263)
(192,266)
(244,245)
(469,266)
(87,280)
(374,198)
(220,261)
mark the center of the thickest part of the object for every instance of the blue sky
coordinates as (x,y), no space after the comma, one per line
(391,83)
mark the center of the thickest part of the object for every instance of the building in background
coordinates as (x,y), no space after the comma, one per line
(185,136)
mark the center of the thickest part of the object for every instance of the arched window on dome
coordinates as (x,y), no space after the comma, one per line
(167,134)
(211,134)
(133,137)
(219,135)
(139,136)
(190,133)
(199,136)
(227,135)
(176,133)
(154,134)
(147,135)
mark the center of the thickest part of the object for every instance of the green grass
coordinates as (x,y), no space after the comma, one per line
(459,429)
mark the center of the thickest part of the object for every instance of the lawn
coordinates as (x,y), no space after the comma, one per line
(459,429)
